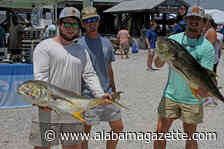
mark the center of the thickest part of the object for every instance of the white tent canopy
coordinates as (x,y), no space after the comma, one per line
(134,5)
(217,15)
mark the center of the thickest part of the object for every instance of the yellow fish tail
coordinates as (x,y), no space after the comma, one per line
(77,115)
(195,93)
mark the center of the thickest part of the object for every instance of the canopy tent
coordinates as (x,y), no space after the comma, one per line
(143,5)
(217,15)
(134,6)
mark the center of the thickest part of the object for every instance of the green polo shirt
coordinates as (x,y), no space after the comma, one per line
(202,50)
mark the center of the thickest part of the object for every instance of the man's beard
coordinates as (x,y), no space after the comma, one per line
(194,30)
(68,38)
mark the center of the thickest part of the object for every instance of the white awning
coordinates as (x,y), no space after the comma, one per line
(217,15)
(134,5)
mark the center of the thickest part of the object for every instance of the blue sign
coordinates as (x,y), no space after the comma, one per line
(11,75)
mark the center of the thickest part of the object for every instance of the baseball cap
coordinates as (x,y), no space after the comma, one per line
(69,12)
(89,12)
(196,11)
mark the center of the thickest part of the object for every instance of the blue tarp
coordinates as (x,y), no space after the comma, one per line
(11,75)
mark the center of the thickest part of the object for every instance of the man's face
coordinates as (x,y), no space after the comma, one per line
(69,28)
(194,25)
(91,24)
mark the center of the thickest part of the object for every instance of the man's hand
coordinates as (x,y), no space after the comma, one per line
(202,93)
(108,99)
(158,62)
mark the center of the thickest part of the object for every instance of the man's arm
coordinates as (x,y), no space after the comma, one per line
(110,68)
(147,43)
(211,36)
(147,35)
(111,75)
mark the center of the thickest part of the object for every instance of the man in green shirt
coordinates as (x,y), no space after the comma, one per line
(178,102)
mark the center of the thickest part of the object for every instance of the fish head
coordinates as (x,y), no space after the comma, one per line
(33,91)
(165,48)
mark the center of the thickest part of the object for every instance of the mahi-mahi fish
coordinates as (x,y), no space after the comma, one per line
(43,94)
(182,62)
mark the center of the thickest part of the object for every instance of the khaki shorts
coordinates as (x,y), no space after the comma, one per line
(189,113)
(45,134)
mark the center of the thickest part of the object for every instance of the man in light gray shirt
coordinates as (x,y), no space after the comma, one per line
(64,63)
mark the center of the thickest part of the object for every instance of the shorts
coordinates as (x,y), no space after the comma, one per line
(189,113)
(125,48)
(46,124)
(45,134)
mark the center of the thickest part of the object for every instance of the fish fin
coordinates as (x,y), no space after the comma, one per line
(75,105)
(214,97)
(118,104)
(78,115)
(212,73)
(195,93)
(55,97)
(95,102)
(116,95)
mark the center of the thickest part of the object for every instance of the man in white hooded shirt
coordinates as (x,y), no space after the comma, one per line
(64,63)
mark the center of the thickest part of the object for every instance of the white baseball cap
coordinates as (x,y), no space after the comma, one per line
(196,11)
(69,12)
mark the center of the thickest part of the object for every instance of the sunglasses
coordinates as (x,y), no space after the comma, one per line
(68,25)
(91,20)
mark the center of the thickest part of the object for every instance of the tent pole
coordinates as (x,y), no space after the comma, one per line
(55,12)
